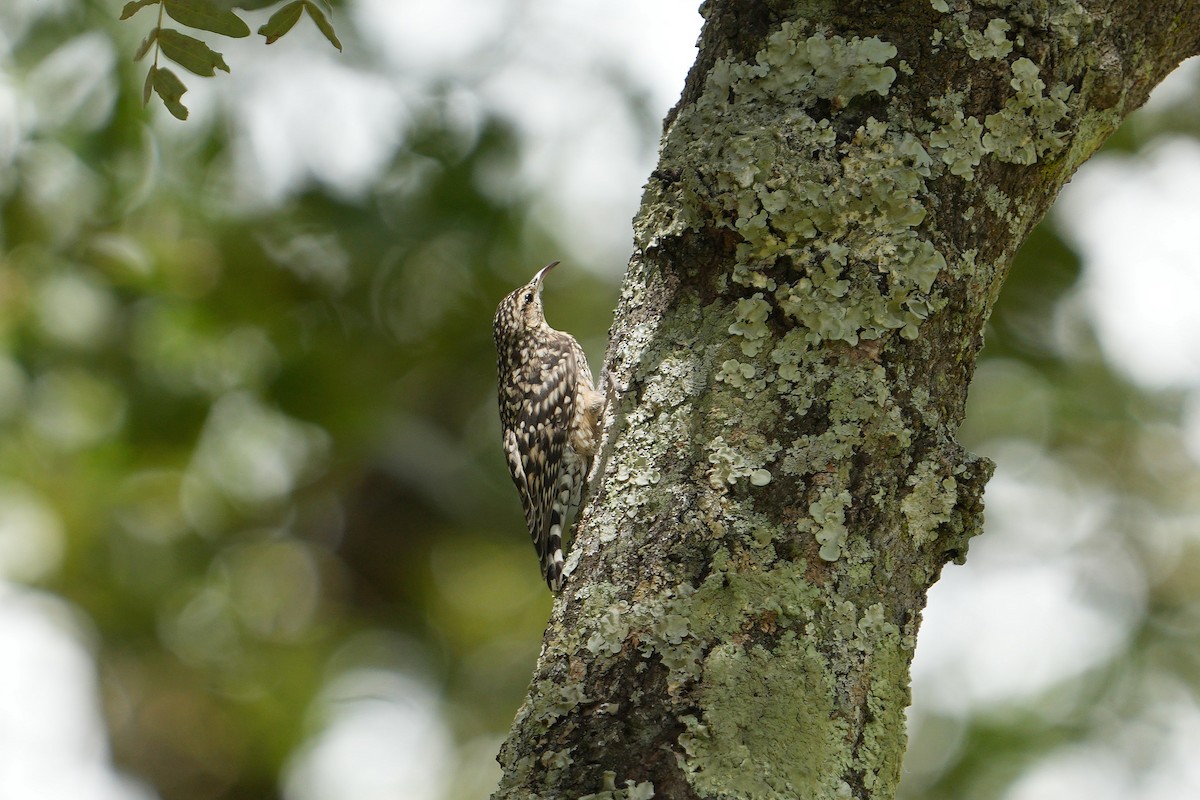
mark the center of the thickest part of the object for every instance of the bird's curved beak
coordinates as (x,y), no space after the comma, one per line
(541,273)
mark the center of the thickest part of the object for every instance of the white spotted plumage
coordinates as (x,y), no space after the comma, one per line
(549,414)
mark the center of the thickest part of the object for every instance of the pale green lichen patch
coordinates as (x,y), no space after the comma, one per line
(741,375)
(931,502)
(611,630)
(554,762)
(758,696)
(768,730)
(859,400)
(631,790)
(729,462)
(1070,22)
(751,323)
(672,379)
(859,404)
(842,629)
(657,624)
(996,201)
(728,598)
(1026,129)
(865,223)
(959,144)
(874,626)
(639,465)
(679,376)
(788,354)
(844,216)
(832,68)
(638,470)
(1034,121)
(889,654)
(518,771)
(677,625)
(828,515)
(992,42)
(549,701)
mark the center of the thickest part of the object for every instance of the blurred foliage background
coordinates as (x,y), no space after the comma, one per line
(249,464)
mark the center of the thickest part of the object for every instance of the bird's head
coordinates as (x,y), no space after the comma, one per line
(521,310)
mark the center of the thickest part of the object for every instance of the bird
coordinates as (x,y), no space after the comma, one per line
(550,415)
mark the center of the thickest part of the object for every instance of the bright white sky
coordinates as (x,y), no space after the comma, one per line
(1136,222)
(1007,625)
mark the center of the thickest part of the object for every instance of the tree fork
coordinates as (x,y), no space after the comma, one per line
(840,193)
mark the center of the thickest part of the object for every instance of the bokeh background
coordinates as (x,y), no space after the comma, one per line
(257,539)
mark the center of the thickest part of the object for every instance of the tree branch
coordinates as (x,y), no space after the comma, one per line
(840,192)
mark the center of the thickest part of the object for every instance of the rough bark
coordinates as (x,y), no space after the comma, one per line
(840,192)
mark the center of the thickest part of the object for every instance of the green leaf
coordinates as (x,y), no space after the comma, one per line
(207,16)
(168,86)
(144,47)
(318,16)
(191,53)
(135,6)
(148,86)
(250,5)
(282,21)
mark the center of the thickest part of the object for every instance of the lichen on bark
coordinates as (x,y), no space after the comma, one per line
(838,196)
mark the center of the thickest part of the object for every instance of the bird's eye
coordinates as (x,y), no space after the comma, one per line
(529,297)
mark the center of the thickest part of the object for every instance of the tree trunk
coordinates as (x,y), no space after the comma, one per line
(840,192)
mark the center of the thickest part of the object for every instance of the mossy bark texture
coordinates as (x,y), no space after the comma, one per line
(839,195)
